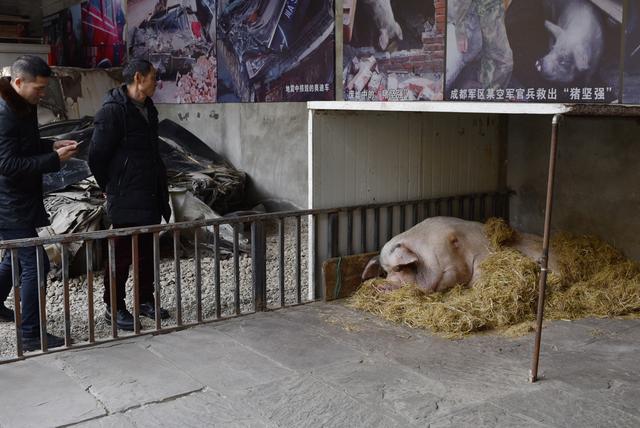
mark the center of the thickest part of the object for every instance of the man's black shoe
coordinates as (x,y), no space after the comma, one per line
(33,343)
(6,314)
(149,310)
(124,319)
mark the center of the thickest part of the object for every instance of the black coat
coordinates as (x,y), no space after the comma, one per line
(24,157)
(125,160)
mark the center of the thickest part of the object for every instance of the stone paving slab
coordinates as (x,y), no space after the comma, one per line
(33,395)
(123,375)
(327,365)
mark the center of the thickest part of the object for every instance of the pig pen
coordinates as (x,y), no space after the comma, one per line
(378,152)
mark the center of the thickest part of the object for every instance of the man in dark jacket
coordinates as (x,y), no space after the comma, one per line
(24,157)
(125,160)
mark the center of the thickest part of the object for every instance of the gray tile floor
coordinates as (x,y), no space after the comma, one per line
(327,365)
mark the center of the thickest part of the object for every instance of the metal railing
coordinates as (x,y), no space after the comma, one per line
(331,232)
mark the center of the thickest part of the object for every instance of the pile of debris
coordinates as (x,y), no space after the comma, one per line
(202,185)
(200,84)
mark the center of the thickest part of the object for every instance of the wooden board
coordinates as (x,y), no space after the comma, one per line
(341,275)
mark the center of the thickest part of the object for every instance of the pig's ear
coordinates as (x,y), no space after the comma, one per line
(581,57)
(553,29)
(401,256)
(373,269)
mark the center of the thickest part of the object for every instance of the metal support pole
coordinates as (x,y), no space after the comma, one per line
(544,260)
(259,265)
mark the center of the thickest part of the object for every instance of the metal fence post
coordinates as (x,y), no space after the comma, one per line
(259,265)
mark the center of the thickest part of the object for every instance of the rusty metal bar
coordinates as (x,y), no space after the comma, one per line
(349,232)
(90,309)
(281,260)
(156,278)
(216,272)
(376,229)
(236,269)
(390,211)
(65,295)
(363,229)
(197,265)
(259,265)
(414,214)
(42,298)
(178,276)
(299,259)
(112,287)
(135,261)
(544,260)
(15,272)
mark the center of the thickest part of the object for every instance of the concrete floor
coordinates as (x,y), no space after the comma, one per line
(327,365)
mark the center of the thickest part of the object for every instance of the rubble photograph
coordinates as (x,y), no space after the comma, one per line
(276,50)
(178,37)
(534,51)
(393,50)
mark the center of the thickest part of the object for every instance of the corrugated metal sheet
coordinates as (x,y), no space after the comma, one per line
(368,157)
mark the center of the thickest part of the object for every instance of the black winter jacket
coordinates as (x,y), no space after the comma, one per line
(24,157)
(125,160)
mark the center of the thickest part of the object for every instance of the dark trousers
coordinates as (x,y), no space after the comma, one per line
(123,262)
(28,279)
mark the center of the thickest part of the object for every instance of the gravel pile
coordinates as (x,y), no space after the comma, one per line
(79,296)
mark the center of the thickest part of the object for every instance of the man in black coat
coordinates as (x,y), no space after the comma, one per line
(125,160)
(24,157)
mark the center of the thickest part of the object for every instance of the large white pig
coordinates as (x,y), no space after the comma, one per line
(385,21)
(439,253)
(577,42)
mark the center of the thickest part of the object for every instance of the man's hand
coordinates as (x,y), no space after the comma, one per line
(65,149)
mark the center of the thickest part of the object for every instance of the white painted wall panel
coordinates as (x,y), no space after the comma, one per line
(369,157)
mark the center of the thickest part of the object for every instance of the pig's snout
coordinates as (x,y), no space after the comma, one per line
(539,66)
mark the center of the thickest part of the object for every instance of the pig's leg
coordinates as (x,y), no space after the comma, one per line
(497,58)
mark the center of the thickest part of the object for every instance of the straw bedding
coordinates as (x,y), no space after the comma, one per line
(594,279)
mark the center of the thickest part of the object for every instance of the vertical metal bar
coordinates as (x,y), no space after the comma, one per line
(376,228)
(472,208)
(216,272)
(414,213)
(461,212)
(197,265)
(90,308)
(332,235)
(15,271)
(259,265)
(178,275)
(533,375)
(403,218)
(349,232)
(318,292)
(281,260)
(494,205)
(299,259)
(42,298)
(156,277)
(236,268)
(363,229)
(483,208)
(113,303)
(450,207)
(390,222)
(135,261)
(65,295)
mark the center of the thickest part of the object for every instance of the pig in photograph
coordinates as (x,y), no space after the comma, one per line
(578,42)
(393,50)
(562,51)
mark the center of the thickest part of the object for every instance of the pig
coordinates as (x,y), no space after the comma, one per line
(385,21)
(440,253)
(577,43)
